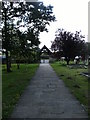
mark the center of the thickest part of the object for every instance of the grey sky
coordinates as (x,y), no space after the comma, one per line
(71,15)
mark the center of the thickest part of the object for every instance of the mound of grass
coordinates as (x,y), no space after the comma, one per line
(13,84)
(72,78)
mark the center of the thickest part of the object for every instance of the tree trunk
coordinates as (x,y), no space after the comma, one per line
(18,66)
(89,64)
(6,40)
(7,62)
(67,62)
(67,59)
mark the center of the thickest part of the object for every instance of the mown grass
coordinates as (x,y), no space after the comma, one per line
(72,78)
(13,84)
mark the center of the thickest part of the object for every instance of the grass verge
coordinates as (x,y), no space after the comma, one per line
(72,78)
(13,84)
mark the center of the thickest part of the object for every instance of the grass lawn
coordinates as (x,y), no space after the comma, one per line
(13,84)
(72,78)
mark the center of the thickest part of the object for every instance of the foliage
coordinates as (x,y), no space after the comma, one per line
(17,16)
(88,45)
(69,44)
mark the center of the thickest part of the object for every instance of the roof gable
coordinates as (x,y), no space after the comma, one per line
(44,47)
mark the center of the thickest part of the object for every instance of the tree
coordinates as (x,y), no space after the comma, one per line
(88,48)
(6,15)
(25,46)
(69,44)
(34,16)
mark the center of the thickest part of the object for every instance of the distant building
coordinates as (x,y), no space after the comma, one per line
(45,55)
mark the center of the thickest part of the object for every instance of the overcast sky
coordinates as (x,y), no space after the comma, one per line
(71,15)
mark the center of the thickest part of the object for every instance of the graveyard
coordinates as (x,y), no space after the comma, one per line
(15,82)
(75,76)
(42,82)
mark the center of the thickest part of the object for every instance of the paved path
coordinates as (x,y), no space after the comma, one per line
(47,97)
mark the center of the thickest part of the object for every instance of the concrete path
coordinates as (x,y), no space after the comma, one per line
(47,97)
